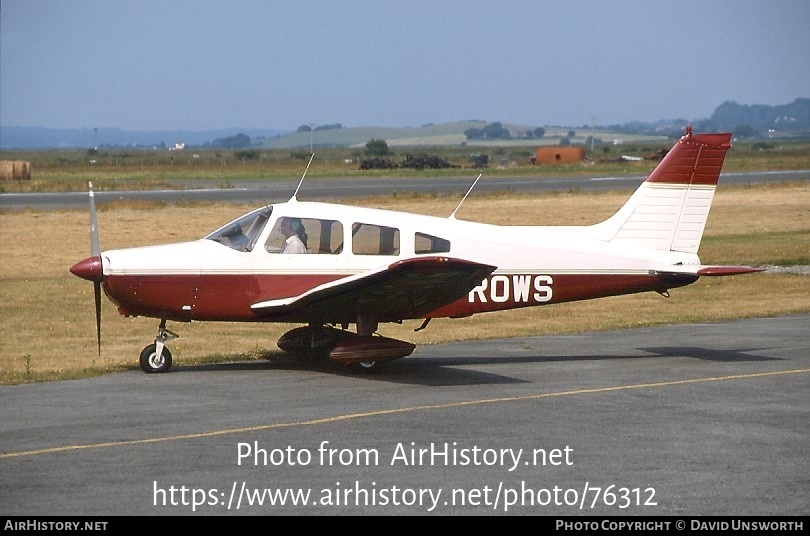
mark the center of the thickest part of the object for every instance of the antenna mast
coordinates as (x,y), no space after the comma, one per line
(453,215)
(293,198)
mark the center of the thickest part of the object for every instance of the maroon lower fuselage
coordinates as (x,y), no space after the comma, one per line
(229,297)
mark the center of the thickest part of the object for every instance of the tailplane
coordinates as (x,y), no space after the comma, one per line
(669,210)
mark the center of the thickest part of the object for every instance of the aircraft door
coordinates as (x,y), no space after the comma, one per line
(227,286)
(299,254)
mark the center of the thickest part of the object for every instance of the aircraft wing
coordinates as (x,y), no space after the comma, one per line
(405,289)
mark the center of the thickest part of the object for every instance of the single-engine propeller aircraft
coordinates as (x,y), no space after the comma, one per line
(363,266)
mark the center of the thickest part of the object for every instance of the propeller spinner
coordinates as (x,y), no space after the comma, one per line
(91,268)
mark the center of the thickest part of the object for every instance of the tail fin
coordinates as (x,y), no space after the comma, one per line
(669,210)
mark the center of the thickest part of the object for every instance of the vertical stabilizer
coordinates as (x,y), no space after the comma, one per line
(669,210)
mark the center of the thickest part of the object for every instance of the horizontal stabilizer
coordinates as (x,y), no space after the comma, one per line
(703,270)
(729,270)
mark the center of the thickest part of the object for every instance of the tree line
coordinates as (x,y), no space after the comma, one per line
(496,131)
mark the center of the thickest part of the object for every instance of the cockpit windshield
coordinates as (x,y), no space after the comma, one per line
(242,233)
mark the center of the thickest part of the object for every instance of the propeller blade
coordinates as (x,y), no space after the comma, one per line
(95,248)
(95,251)
(97,297)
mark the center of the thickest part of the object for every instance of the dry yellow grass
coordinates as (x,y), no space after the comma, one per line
(49,326)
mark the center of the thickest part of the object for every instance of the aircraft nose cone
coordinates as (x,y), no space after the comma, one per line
(90,269)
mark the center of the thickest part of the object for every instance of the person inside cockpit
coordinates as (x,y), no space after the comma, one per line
(295,235)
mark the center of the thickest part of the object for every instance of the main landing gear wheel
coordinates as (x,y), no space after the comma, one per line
(152,363)
(366,367)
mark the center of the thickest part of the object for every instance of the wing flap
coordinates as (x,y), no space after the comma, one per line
(405,289)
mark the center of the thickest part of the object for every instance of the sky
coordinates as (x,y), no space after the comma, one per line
(280,64)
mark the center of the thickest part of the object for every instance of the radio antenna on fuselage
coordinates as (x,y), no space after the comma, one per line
(453,215)
(295,194)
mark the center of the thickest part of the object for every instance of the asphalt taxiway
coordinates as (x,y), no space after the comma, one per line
(323,189)
(683,420)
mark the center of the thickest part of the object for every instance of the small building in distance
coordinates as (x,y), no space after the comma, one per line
(558,155)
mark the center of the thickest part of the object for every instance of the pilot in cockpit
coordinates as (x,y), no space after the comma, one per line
(295,235)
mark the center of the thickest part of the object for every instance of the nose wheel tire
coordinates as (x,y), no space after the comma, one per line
(152,363)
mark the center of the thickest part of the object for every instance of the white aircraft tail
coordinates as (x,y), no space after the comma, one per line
(669,210)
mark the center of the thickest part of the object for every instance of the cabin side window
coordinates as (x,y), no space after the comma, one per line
(425,243)
(370,239)
(305,235)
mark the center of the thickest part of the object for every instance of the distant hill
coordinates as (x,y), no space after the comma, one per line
(46,138)
(786,118)
(432,134)
(452,134)
(745,121)
(756,121)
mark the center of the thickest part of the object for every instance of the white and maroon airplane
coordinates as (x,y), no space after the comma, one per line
(363,266)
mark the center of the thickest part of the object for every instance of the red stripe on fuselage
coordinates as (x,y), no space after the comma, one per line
(204,297)
(503,292)
(229,297)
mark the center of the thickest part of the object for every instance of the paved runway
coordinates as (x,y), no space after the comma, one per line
(312,189)
(687,420)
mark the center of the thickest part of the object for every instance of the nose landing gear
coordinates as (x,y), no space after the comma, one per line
(156,357)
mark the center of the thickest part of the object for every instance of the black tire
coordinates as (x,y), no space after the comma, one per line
(366,367)
(151,363)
